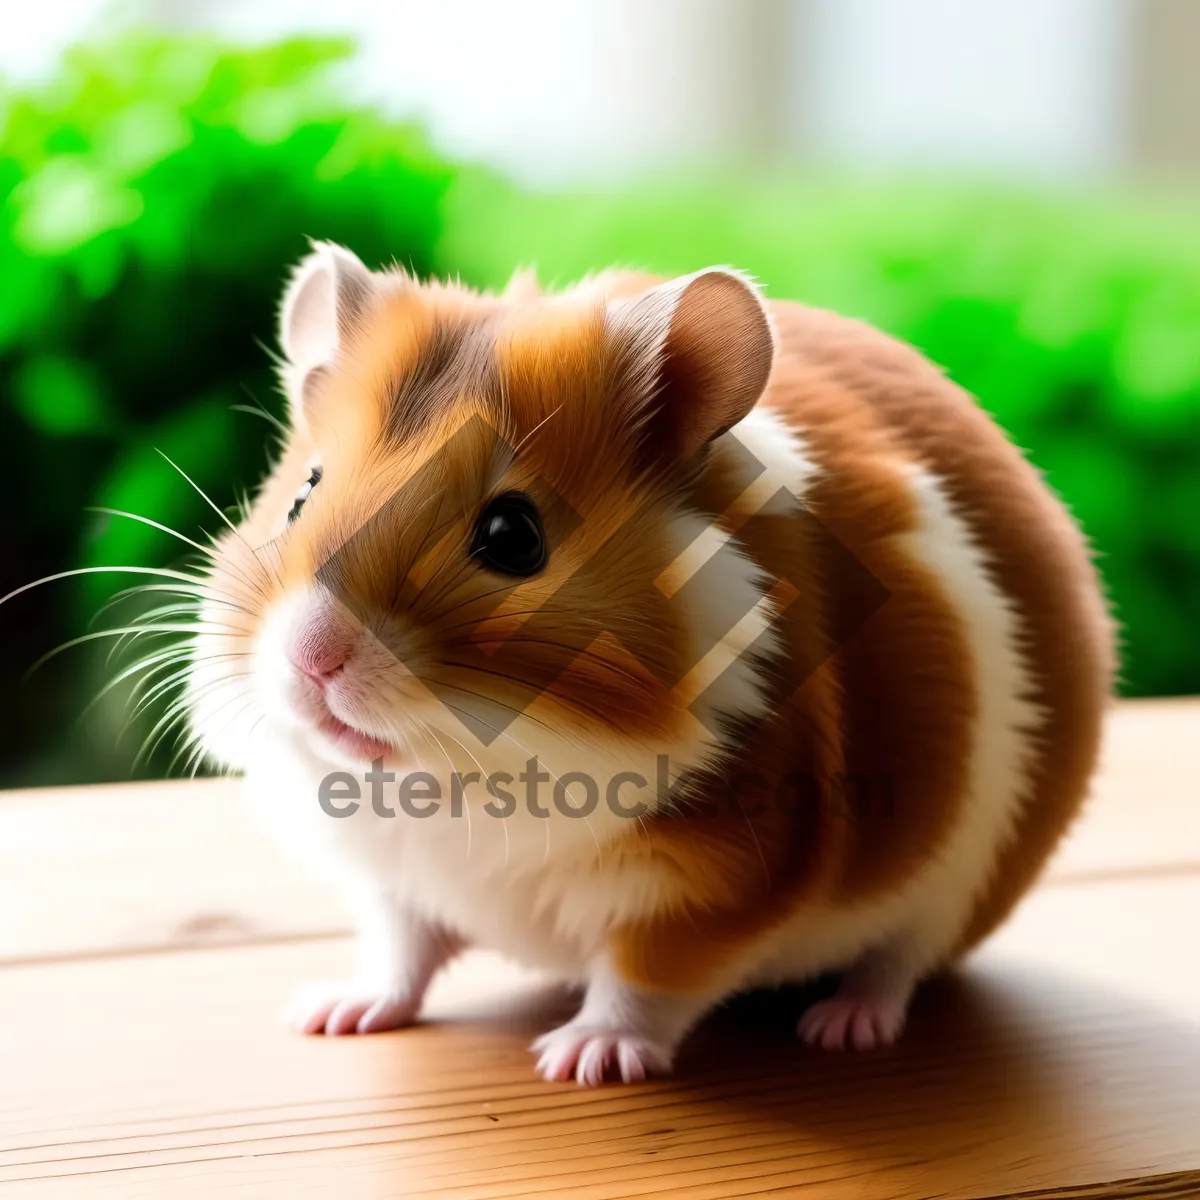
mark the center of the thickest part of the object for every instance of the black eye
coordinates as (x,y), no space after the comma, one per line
(509,538)
(313,479)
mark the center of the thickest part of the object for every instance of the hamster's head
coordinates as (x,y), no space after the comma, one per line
(478,545)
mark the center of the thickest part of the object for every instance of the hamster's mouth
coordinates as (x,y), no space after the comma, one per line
(353,742)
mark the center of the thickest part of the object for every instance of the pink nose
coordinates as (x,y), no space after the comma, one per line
(320,642)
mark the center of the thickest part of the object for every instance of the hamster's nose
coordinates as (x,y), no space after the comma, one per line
(319,642)
(321,662)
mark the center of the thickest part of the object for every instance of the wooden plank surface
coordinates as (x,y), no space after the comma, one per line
(146,867)
(149,936)
(1144,814)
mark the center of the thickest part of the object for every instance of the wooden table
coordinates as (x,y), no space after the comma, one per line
(149,937)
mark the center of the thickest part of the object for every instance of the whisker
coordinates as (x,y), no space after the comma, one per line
(162,572)
(557,779)
(248,735)
(218,510)
(257,410)
(209,552)
(466,806)
(457,572)
(570,652)
(176,712)
(517,712)
(178,679)
(144,623)
(200,492)
(147,665)
(530,435)
(430,534)
(574,703)
(120,512)
(434,627)
(103,633)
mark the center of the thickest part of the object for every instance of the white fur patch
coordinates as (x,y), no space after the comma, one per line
(925,918)
(781,450)
(1004,749)
(725,675)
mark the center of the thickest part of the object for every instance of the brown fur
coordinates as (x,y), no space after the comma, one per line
(865,403)
(1038,556)
(879,735)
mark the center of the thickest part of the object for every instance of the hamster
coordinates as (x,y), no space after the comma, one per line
(666,639)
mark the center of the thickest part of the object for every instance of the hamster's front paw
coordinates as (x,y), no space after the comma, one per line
(589,1054)
(348,1007)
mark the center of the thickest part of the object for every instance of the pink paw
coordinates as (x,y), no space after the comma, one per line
(337,1008)
(590,1054)
(847,1021)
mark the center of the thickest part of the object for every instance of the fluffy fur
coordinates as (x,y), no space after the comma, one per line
(795,574)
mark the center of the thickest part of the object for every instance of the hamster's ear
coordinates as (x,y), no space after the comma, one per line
(326,298)
(699,351)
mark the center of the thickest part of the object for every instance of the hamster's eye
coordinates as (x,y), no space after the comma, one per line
(509,538)
(313,479)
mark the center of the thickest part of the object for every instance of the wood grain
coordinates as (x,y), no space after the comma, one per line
(145,867)
(141,1052)
(1163,1187)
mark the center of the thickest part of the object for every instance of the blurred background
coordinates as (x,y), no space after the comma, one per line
(1011,185)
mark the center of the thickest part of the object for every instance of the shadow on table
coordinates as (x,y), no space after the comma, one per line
(1004,1080)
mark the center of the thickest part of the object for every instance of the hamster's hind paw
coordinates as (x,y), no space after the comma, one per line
(847,1021)
(340,1008)
(591,1054)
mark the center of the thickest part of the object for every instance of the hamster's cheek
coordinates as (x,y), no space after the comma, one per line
(286,698)
(240,689)
(221,713)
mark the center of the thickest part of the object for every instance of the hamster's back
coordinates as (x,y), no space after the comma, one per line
(907,459)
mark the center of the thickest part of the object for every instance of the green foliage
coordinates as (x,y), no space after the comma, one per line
(153,198)
(151,202)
